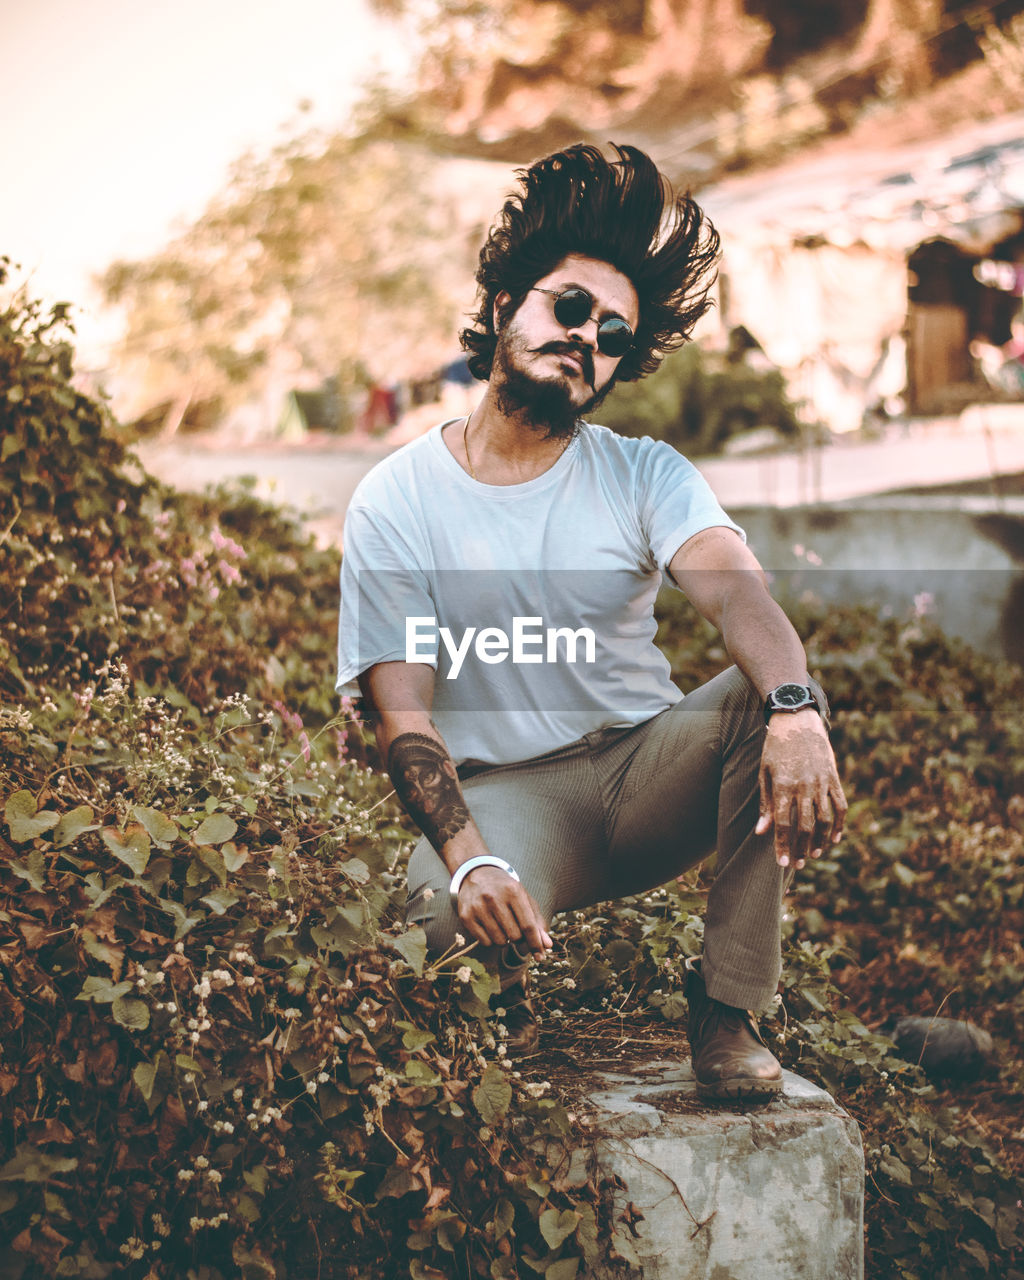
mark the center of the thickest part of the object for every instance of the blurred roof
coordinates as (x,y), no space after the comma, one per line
(967,185)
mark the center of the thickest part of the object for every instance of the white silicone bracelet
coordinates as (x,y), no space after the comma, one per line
(483,860)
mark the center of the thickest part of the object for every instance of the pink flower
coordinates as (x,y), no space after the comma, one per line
(304,745)
(223,543)
(291,719)
(228,572)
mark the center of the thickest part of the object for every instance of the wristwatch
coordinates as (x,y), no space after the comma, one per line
(794,697)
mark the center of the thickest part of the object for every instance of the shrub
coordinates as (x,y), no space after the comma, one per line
(698,399)
(220,1054)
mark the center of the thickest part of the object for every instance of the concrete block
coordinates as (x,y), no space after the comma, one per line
(738,1192)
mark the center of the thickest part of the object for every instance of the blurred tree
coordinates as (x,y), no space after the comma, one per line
(720,83)
(327,256)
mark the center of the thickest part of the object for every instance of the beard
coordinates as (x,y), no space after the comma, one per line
(544,404)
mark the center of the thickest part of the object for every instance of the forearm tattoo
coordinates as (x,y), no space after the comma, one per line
(428,786)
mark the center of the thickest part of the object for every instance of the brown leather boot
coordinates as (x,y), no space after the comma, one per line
(730,1060)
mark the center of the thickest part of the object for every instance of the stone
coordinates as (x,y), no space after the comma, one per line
(735,1192)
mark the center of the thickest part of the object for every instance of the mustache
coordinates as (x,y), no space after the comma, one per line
(570,348)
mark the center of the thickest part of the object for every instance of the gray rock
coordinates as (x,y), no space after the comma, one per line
(739,1192)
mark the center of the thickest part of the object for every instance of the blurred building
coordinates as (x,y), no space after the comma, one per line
(873,278)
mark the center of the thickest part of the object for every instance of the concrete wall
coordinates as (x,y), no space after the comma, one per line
(961,560)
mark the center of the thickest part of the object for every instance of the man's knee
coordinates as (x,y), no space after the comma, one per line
(430,907)
(740,696)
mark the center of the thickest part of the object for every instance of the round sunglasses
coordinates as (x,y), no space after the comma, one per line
(574,307)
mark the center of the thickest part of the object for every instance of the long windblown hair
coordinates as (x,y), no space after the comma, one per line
(623,212)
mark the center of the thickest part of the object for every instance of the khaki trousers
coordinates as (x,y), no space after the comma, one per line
(623,810)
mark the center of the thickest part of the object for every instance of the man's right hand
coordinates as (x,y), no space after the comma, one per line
(496,909)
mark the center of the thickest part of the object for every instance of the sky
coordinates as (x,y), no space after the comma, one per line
(122,118)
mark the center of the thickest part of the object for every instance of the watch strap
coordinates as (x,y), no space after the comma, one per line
(817,699)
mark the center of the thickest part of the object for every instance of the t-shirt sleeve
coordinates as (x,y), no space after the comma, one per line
(382,594)
(675,502)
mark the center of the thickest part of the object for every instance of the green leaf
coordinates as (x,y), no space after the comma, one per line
(397,1182)
(72,825)
(450,1233)
(102,990)
(215,829)
(412,947)
(220,900)
(162,831)
(504,1217)
(23,821)
(113,957)
(247,1208)
(587,1235)
(492,1095)
(234,858)
(214,859)
(256,1179)
(420,1271)
(332,1101)
(131,1013)
(414,1038)
(357,870)
(556,1227)
(144,1076)
(33,869)
(674,1006)
(132,846)
(29,1164)
(564,1269)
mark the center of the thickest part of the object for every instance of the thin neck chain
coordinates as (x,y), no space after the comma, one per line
(465,445)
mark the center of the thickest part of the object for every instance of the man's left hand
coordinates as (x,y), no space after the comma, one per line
(801,795)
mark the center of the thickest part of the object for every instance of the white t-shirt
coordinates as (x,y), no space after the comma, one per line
(582,548)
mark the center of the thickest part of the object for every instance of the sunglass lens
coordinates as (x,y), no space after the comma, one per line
(573,307)
(614,338)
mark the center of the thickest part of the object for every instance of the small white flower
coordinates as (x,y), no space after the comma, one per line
(202,1106)
(201,1162)
(460,941)
(464,974)
(311,1086)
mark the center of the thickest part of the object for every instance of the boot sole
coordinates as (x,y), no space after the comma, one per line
(739,1088)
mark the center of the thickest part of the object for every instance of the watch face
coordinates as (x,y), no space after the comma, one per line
(790,695)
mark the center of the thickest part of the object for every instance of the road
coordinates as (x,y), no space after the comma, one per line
(319,480)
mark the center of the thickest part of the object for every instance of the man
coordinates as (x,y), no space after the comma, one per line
(497,607)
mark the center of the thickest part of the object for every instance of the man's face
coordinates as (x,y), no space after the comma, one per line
(548,372)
